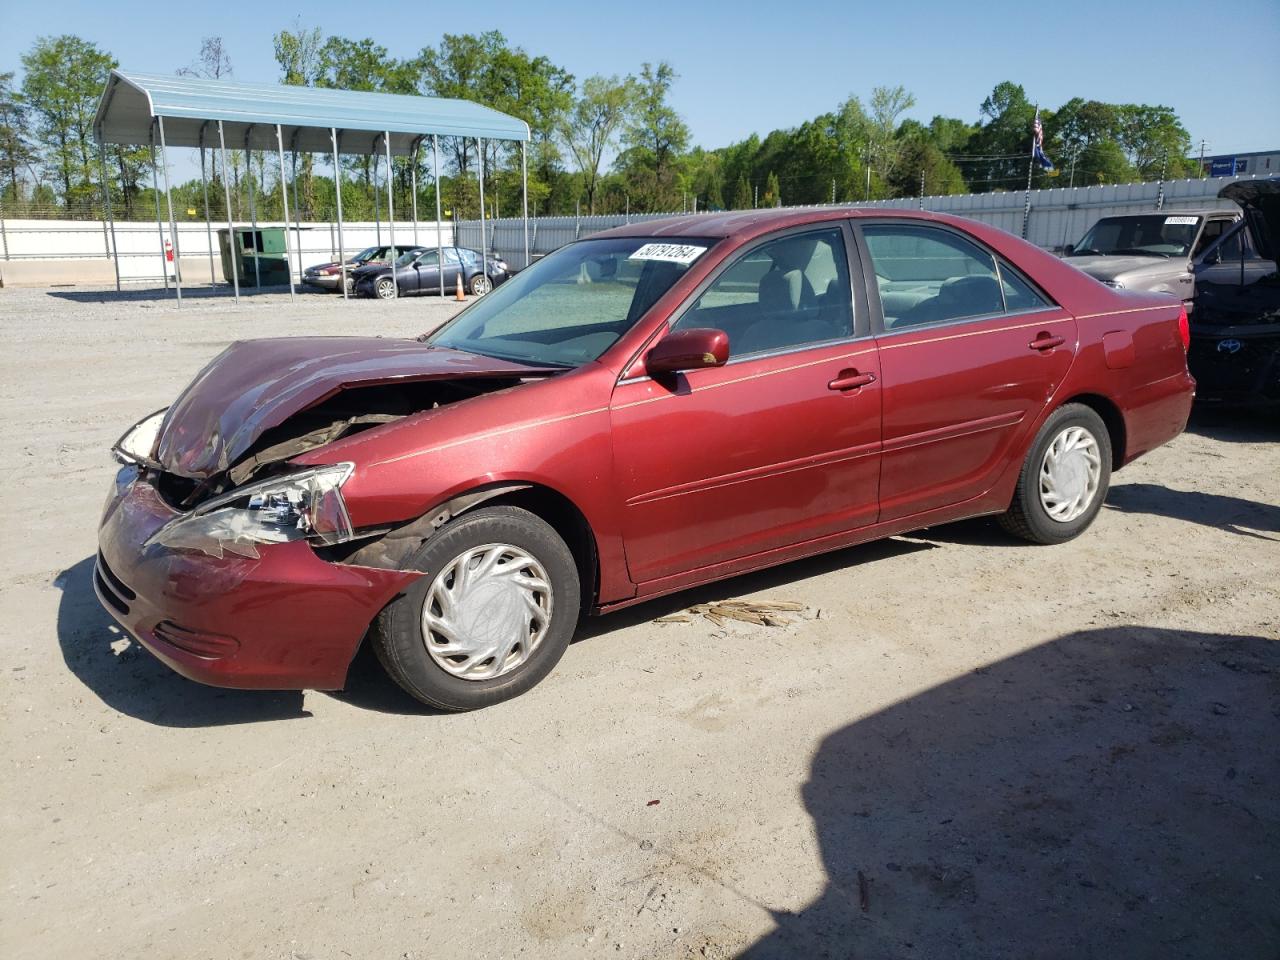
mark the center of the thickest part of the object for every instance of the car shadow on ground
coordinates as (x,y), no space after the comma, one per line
(1248,518)
(1235,424)
(154,295)
(129,679)
(1111,793)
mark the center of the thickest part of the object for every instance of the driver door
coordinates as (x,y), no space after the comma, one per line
(777,447)
(426,272)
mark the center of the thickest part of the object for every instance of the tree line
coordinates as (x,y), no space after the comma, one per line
(600,144)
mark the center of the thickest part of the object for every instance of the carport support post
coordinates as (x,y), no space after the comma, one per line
(435,169)
(413,187)
(232,248)
(208,224)
(484,260)
(297,208)
(111,220)
(391,217)
(284,200)
(155,191)
(524,199)
(377,200)
(253,208)
(173,224)
(337,192)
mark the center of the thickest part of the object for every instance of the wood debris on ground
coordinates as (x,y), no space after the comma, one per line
(761,613)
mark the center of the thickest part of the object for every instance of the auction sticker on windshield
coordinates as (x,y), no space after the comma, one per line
(1181,221)
(681,253)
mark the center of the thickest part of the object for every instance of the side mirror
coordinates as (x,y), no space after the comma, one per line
(688,350)
(1069,249)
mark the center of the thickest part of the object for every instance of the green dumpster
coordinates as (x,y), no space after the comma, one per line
(259,257)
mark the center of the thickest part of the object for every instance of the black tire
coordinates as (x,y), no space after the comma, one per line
(1027,516)
(398,639)
(480,285)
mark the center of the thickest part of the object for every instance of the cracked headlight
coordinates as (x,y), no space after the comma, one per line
(139,440)
(307,505)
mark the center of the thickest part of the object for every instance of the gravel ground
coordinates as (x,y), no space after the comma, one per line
(966,748)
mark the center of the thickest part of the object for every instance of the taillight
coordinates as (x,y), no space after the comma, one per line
(1184,328)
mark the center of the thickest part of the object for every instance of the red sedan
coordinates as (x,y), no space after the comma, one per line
(655,407)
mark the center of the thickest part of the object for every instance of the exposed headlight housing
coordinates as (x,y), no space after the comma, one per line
(307,505)
(139,440)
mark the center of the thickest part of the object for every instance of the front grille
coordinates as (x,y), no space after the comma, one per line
(114,591)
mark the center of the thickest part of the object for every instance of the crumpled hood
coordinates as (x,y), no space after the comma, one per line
(1102,267)
(255,385)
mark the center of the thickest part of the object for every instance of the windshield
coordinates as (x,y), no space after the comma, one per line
(1155,235)
(365,254)
(572,305)
(407,258)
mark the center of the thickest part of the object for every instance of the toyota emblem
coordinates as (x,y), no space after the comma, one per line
(1229,346)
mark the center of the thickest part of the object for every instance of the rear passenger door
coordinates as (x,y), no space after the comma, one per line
(970,352)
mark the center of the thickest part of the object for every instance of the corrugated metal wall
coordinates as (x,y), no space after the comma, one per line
(1058,217)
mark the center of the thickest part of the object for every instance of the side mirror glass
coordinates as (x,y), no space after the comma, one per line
(688,350)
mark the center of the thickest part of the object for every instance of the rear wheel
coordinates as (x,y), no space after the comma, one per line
(489,619)
(1064,479)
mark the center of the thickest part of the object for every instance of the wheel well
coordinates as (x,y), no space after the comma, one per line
(567,520)
(1112,418)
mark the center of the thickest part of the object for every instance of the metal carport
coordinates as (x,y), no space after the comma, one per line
(170,111)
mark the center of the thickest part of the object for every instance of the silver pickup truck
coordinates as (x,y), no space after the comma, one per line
(1155,252)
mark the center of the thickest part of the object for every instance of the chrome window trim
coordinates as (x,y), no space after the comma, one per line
(937,324)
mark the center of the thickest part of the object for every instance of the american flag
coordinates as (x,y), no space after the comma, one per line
(1037,144)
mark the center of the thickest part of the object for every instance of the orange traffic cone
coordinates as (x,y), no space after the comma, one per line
(460,297)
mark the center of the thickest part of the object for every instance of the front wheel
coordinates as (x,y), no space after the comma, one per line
(480,285)
(386,289)
(491,617)
(1064,479)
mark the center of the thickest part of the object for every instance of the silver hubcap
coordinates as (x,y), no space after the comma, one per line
(1070,474)
(385,290)
(480,286)
(486,611)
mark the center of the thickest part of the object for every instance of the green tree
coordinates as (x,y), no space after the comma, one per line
(64,77)
(298,54)
(655,137)
(772,191)
(590,129)
(16,154)
(742,198)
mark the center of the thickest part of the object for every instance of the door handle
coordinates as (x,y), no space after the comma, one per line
(1045,342)
(851,380)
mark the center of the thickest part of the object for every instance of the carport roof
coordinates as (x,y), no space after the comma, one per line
(305,115)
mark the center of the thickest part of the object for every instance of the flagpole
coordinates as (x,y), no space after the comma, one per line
(1031,160)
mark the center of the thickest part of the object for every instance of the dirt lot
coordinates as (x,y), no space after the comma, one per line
(975,749)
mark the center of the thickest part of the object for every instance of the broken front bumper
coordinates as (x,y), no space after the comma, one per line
(285,620)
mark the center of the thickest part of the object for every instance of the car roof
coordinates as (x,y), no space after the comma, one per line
(744,224)
(1180,212)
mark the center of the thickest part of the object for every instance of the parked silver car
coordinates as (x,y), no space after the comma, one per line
(1153,252)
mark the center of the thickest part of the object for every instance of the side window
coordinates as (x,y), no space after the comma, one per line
(928,275)
(1212,231)
(1234,246)
(429,259)
(450,256)
(1018,292)
(781,295)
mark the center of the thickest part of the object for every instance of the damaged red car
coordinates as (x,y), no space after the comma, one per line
(652,408)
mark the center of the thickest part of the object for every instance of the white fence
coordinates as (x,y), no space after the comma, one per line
(140,245)
(1058,217)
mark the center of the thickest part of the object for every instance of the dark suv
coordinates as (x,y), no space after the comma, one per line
(1235,326)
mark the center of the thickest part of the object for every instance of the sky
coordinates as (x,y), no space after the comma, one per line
(746,67)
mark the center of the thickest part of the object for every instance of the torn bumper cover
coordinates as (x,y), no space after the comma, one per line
(285,619)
